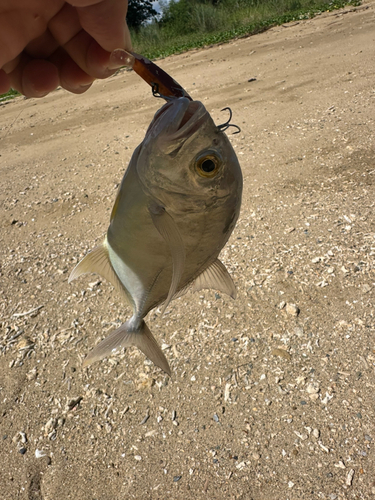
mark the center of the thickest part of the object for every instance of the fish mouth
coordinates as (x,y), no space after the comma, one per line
(178,120)
(192,120)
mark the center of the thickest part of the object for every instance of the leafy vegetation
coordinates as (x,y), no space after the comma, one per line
(139,11)
(9,95)
(187,24)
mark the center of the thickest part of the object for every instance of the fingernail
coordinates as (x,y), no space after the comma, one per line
(77,89)
(35,93)
(120,58)
(81,89)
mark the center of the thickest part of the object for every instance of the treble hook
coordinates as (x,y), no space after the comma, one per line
(224,126)
(168,98)
(156,93)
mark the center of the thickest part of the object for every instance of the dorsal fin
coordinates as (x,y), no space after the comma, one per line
(216,277)
(97,261)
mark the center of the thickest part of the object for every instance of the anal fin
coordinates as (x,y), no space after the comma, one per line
(128,335)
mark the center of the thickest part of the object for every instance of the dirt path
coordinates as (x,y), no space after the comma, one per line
(263,404)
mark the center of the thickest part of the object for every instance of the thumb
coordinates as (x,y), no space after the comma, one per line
(105,21)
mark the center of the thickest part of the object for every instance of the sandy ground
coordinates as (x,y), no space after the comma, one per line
(265,402)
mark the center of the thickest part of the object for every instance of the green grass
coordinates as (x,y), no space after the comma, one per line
(9,95)
(206,25)
(190,24)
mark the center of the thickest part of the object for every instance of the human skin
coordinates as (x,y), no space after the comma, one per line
(47,43)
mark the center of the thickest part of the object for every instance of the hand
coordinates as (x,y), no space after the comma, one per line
(47,43)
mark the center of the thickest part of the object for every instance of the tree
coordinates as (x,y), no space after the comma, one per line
(139,11)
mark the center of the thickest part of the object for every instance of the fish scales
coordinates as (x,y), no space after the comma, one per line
(175,209)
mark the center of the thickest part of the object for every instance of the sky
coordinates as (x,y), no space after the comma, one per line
(156,5)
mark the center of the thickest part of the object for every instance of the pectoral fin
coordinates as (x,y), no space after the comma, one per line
(169,231)
(97,261)
(217,277)
(128,335)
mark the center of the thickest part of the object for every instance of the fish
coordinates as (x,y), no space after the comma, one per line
(176,207)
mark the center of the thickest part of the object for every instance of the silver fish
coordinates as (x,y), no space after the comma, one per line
(176,207)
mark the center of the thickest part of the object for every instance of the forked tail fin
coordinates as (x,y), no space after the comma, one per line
(129,335)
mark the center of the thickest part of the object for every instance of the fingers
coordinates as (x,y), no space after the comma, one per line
(4,82)
(90,33)
(89,55)
(105,21)
(65,25)
(18,26)
(34,77)
(43,46)
(68,44)
(72,77)
(38,77)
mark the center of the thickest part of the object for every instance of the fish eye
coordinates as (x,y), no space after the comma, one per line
(208,165)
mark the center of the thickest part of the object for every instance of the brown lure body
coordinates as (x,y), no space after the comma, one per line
(158,79)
